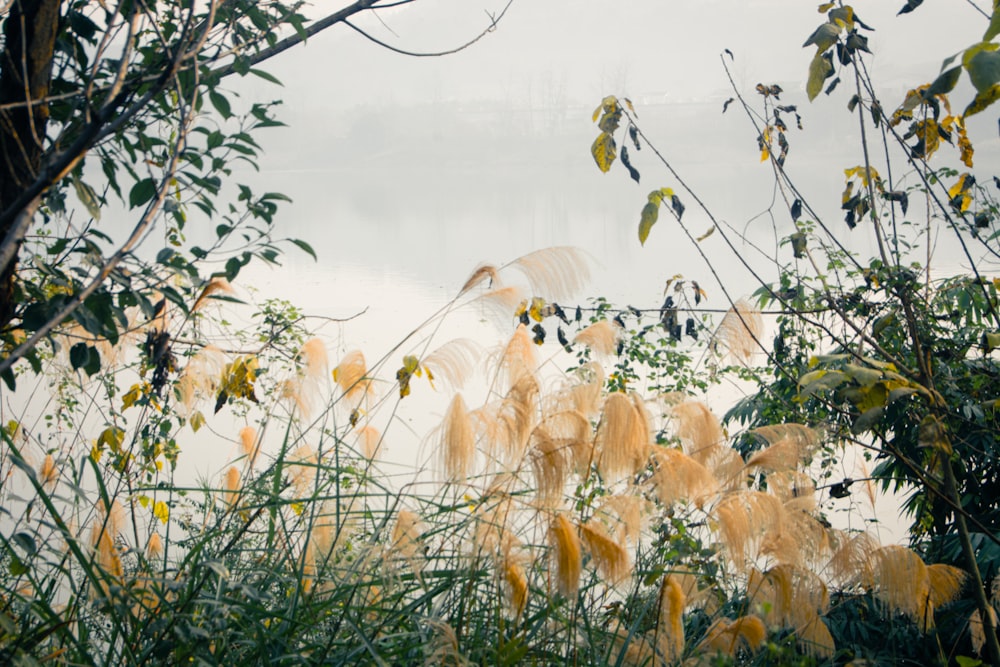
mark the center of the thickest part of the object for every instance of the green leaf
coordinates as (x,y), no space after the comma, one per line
(142,192)
(88,198)
(982,62)
(305,247)
(266,76)
(650,212)
(992,31)
(945,82)
(819,70)
(867,420)
(220,103)
(604,151)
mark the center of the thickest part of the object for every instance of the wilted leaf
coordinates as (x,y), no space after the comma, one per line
(798,245)
(650,212)
(819,69)
(632,171)
(711,230)
(725,105)
(796,209)
(675,203)
(604,151)
(983,100)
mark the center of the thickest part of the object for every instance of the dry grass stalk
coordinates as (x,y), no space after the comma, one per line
(303,466)
(442,648)
(740,331)
(609,555)
(601,337)
(558,273)
(458,440)
(622,438)
(678,477)
(698,429)
(567,556)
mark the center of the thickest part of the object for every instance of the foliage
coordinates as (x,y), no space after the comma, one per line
(600,514)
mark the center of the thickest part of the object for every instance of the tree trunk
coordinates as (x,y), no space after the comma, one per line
(25,73)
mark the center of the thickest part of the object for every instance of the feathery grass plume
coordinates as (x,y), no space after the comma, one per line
(601,337)
(293,391)
(610,556)
(558,272)
(798,539)
(231,486)
(482,272)
(516,585)
(48,475)
(744,517)
(249,445)
(584,395)
(669,638)
(154,547)
(492,516)
(946,582)
(515,419)
(107,526)
(499,305)
(569,431)
(314,358)
(550,459)
(622,438)
(369,441)
(788,596)
(199,379)
(442,650)
(739,331)
(901,583)
(453,362)
(977,629)
(815,639)
(458,440)
(789,445)
(850,562)
(407,540)
(351,376)
(699,430)
(566,554)
(217,285)
(678,477)
(303,466)
(623,512)
(729,636)
(794,488)
(518,360)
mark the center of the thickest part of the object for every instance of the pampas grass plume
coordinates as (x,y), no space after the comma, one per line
(458,440)
(601,337)
(567,555)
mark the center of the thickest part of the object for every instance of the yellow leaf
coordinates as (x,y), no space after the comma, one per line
(711,230)
(959,187)
(965,146)
(133,395)
(819,69)
(161,511)
(197,420)
(144,501)
(111,437)
(844,198)
(650,212)
(604,151)
(983,100)
(608,105)
(826,6)
(535,312)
